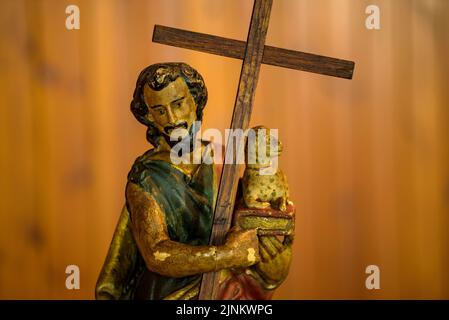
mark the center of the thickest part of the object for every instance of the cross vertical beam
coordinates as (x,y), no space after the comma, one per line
(240,120)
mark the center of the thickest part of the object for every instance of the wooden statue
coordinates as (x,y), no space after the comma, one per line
(173,239)
(160,247)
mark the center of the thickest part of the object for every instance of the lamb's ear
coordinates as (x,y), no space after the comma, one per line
(251,146)
(275,145)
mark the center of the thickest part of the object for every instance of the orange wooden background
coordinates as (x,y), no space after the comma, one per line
(367,159)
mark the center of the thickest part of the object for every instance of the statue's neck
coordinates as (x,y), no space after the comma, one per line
(163,152)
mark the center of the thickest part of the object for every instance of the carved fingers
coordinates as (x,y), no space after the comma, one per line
(269,247)
(275,259)
(243,244)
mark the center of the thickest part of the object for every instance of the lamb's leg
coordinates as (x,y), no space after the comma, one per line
(252,202)
(280,203)
(283,204)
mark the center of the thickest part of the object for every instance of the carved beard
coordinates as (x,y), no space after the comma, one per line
(188,139)
(169,128)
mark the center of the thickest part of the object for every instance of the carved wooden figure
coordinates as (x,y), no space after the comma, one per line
(173,240)
(160,247)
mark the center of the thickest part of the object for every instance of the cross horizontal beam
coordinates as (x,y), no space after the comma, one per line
(236,49)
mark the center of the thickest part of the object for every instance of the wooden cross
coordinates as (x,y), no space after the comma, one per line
(254,52)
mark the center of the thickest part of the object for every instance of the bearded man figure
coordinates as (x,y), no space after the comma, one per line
(160,246)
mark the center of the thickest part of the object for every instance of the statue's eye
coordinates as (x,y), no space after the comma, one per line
(161,111)
(178,103)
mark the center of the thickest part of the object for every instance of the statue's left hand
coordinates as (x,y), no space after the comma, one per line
(275,258)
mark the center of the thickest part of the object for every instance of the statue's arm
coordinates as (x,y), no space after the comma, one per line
(175,259)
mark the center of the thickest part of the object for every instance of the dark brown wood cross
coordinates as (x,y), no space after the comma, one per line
(254,52)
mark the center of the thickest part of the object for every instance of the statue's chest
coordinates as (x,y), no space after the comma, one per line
(187,205)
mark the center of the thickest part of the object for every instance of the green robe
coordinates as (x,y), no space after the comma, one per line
(187,205)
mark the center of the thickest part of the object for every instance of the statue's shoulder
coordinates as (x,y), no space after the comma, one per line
(139,170)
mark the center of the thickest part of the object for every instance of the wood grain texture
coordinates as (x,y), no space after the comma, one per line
(367,160)
(249,76)
(236,49)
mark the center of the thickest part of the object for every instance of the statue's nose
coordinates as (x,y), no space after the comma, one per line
(171,116)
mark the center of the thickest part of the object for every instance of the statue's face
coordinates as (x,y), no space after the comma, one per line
(172,107)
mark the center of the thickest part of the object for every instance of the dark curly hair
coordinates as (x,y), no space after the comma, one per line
(158,76)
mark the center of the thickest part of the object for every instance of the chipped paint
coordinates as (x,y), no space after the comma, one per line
(251,255)
(212,252)
(161,256)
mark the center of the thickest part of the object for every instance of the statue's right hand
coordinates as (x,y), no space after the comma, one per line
(244,246)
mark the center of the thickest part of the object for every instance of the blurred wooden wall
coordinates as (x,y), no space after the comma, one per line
(367,159)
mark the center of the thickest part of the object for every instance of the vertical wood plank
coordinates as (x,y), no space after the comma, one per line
(240,120)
